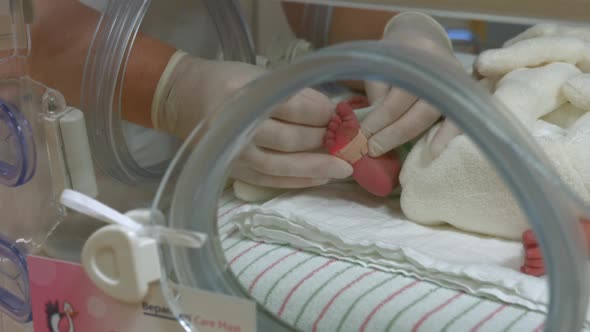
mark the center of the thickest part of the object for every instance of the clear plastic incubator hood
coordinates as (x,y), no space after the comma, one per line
(443,251)
(256,254)
(48,145)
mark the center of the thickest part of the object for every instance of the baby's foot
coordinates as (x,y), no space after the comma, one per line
(377,175)
(343,127)
(533,260)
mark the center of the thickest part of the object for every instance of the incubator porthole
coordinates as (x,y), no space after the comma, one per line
(133,152)
(308,256)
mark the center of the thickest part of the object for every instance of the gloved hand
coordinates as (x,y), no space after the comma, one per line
(400,116)
(283,153)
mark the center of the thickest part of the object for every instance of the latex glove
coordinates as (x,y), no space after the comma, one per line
(283,152)
(400,116)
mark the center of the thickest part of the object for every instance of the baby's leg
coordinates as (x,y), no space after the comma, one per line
(534,263)
(377,175)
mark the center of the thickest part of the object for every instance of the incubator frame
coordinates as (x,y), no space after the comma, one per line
(192,174)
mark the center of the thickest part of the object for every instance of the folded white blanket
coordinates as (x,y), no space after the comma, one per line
(461,188)
(343,221)
(534,52)
(552,29)
(538,45)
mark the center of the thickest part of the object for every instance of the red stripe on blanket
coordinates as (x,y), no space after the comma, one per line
(294,289)
(435,310)
(229,235)
(268,268)
(243,253)
(384,302)
(488,318)
(342,290)
(230,210)
(540,327)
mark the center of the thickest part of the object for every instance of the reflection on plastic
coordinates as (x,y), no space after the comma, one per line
(58,282)
(14,293)
(17,148)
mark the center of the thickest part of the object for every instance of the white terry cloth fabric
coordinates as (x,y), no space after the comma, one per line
(540,44)
(343,221)
(460,187)
(578,146)
(531,93)
(577,91)
(564,116)
(534,52)
(552,29)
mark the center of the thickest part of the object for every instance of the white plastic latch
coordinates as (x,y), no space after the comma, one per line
(122,259)
(67,141)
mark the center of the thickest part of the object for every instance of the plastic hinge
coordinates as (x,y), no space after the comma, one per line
(70,160)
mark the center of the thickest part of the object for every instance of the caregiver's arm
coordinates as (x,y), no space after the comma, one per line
(61,35)
(347,24)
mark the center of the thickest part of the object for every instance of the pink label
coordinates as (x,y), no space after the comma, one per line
(64,299)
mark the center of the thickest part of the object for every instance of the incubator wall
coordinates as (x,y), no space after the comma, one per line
(442,251)
(49,145)
(131,158)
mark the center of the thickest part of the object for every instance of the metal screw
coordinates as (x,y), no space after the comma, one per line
(51,104)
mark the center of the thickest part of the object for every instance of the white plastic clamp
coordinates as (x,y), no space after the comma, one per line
(122,259)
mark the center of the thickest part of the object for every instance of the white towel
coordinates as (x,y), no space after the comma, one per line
(459,186)
(534,52)
(343,221)
(578,138)
(577,91)
(530,93)
(538,45)
(552,29)
(565,116)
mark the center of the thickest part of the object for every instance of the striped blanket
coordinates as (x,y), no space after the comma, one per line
(316,293)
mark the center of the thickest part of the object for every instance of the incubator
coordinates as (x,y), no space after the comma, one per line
(442,253)
(49,146)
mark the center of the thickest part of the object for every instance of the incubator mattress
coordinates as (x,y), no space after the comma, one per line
(315,293)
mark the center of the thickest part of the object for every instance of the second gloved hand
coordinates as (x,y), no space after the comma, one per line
(284,152)
(400,116)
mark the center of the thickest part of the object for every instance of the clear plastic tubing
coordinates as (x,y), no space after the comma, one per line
(236,40)
(552,209)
